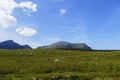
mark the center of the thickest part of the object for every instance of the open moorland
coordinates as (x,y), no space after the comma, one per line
(54,64)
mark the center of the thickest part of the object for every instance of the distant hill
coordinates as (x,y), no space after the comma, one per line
(67,45)
(10,44)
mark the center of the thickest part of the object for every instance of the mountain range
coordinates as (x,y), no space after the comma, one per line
(67,45)
(10,44)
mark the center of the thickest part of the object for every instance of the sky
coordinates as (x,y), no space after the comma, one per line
(42,22)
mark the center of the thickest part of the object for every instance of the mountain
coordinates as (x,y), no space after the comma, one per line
(67,45)
(10,44)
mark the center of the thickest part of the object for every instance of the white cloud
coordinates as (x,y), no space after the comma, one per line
(6,11)
(7,6)
(62,11)
(28,5)
(25,31)
(6,19)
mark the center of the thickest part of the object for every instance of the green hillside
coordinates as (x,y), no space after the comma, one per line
(53,64)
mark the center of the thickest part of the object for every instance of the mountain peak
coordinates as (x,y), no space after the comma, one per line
(62,42)
(10,44)
(8,41)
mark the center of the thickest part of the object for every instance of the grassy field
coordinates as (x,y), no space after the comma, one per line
(53,64)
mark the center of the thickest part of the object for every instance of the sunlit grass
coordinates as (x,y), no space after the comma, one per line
(53,64)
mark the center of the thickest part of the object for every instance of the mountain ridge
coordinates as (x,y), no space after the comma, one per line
(10,44)
(67,45)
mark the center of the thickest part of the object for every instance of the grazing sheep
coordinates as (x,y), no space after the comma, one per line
(56,60)
(54,77)
(47,53)
(67,76)
(34,78)
(31,53)
(21,53)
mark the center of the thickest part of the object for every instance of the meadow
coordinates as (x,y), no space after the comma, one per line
(54,64)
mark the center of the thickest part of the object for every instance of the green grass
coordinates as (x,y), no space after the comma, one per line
(53,64)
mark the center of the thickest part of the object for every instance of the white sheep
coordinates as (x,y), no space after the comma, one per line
(47,53)
(21,53)
(30,53)
(56,60)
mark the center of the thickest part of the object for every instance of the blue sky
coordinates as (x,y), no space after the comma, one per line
(41,22)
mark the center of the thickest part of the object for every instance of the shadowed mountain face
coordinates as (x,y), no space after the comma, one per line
(10,44)
(67,45)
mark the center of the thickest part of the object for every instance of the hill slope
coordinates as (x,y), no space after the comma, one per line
(67,45)
(10,44)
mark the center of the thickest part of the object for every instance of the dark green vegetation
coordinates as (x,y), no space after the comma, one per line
(53,64)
